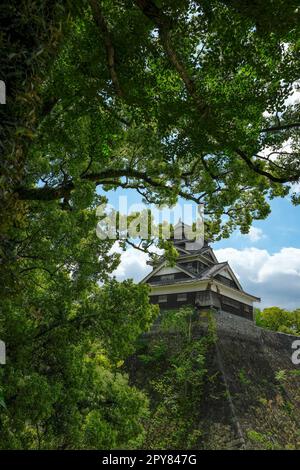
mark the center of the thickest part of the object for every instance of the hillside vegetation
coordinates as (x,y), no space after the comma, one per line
(217,383)
(279,319)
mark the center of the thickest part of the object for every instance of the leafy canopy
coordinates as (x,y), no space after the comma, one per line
(279,319)
(173,98)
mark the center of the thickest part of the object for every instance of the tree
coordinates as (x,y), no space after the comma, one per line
(62,386)
(279,319)
(169,98)
(184,98)
(66,338)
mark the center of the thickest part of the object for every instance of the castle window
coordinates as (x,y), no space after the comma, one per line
(162,298)
(181,297)
(230,302)
(167,277)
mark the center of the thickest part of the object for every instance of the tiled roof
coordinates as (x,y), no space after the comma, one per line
(202,276)
(211,271)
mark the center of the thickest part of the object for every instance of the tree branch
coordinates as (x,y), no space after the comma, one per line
(255,167)
(138,247)
(281,128)
(110,50)
(163,23)
(48,193)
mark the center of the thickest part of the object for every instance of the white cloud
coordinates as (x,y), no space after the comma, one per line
(273,277)
(286,262)
(133,264)
(295,187)
(255,234)
(294,97)
(288,146)
(272,152)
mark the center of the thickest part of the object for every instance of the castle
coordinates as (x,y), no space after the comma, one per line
(197,280)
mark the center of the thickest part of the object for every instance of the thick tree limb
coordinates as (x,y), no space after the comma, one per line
(281,128)
(163,23)
(110,50)
(255,167)
(110,176)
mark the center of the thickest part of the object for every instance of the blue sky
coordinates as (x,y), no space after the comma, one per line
(280,229)
(267,260)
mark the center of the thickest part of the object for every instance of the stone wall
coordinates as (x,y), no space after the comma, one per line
(252,393)
(261,386)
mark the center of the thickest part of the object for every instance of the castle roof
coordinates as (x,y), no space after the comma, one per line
(196,262)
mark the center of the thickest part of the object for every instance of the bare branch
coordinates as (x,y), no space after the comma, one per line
(109,176)
(139,247)
(255,167)
(281,128)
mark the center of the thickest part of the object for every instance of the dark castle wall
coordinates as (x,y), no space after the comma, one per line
(207,299)
(173,303)
(162,279)
(251,400)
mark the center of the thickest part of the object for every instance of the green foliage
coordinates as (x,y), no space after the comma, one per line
(278,319)
(122,116)
(157,353)
(243,377)
(182,112)
(67,336)
(275,416)
(177,385)
(178,320)
(178,113)
(264,440)
(61,385)
(280,375)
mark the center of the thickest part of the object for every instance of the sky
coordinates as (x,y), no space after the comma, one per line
(266,261)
